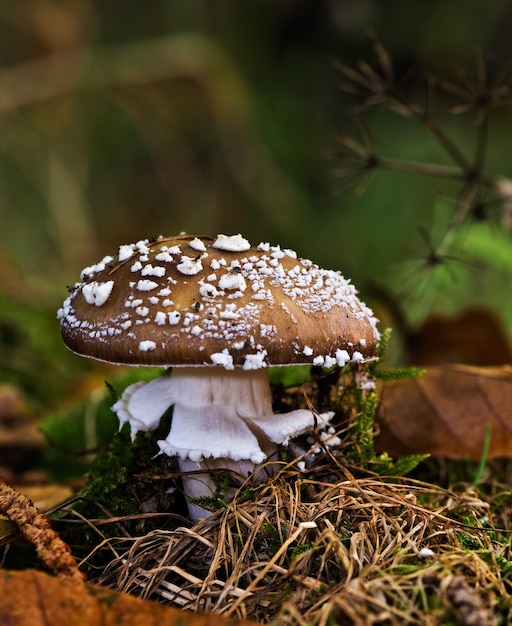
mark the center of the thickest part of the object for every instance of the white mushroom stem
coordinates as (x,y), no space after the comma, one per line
(221,420)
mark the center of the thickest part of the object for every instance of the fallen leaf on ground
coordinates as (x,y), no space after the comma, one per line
(32,598)
(446,413)
(473,336)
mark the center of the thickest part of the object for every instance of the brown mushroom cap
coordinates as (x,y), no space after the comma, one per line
(194,301)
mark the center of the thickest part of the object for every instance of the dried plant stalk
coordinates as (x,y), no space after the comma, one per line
(349,551)
(52,551)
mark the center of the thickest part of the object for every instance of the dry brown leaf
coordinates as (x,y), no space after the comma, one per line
(32,598)
(446,412)
(473,336)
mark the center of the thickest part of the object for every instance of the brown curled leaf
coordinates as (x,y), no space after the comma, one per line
(31,598)
(447,413)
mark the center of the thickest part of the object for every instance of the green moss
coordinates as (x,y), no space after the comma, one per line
(223,483)
(301,549)
(364,404)
(109,478)
(120,477)
(271,537)
(362,452)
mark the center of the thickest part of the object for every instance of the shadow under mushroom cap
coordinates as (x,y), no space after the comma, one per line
(191,300)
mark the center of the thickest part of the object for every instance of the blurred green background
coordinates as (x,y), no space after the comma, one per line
(120,120)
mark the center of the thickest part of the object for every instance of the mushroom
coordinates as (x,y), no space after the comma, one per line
(218,311)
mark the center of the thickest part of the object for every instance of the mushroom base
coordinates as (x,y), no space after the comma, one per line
(198,479)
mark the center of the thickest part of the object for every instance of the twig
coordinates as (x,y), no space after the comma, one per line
(53,552)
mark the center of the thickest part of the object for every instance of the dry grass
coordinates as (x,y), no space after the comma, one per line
(339,549)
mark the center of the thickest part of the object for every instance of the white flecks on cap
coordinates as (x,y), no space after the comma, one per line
(357,356)
(189,266)
(307,351)
(164,256)
(147,345)
(232,282)
(97,293)
(150,270)
(342,357)
(174,317)
(208,290)
(232,243)
(329,361)
(125,252)
(223,359)
(146,285)
(189,318)
(142,246)
(255,361)
(229,313)
(160,318)
(197,244)
(267,330)
(94,269)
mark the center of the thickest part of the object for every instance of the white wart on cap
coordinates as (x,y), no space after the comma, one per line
(190,300)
